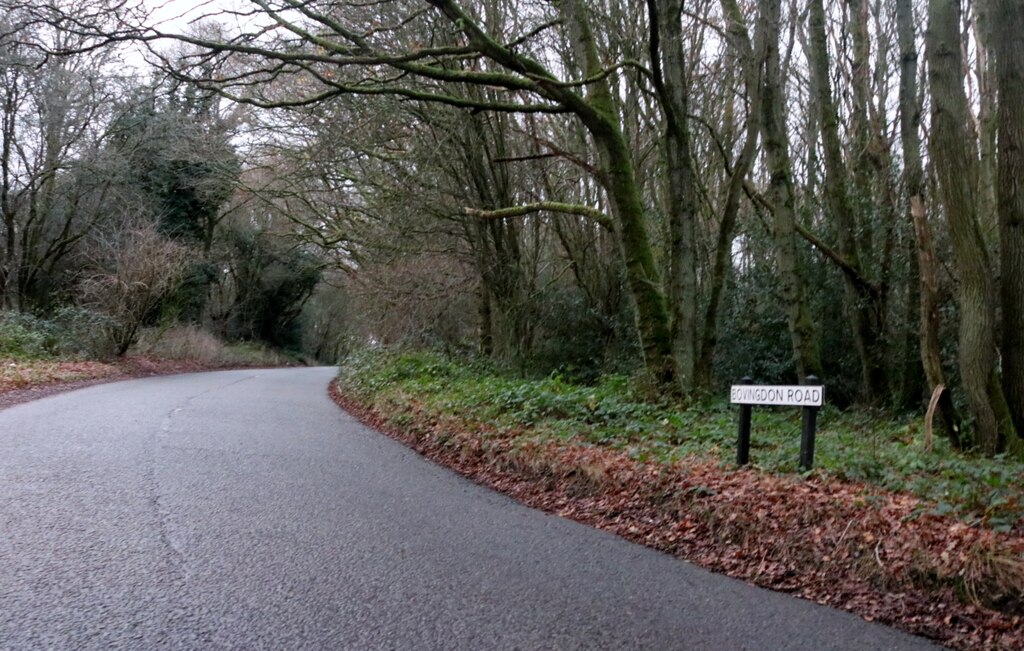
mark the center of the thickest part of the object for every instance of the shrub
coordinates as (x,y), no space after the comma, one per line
(139,269)
(70,332)
(81,333)
(194,343)
(18,341)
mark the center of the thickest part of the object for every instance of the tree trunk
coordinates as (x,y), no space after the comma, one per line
(864,148)
(864,304)
(750,55)
(8,265)
(953,149)
(668,61)
(913,178)
(601,120)
(1008,22)
(984,71)
(806,355)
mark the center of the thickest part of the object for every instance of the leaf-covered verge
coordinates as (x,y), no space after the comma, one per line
(32,371)
(25,380)
(926,541)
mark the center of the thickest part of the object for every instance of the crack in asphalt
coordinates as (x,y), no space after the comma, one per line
(165,424)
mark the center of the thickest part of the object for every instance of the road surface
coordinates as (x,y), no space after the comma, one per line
(244,510)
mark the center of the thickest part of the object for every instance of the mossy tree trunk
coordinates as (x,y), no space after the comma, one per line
(864,299)
(1008,44)
(953,147)
(913,180)
(600,116)
(804,338)
(668,60)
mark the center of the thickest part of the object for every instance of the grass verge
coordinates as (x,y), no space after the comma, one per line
(923,540)
(25,376)
(193,343)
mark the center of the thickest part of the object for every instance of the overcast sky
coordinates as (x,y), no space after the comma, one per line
(176,17)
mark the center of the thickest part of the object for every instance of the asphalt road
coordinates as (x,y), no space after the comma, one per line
(243,510)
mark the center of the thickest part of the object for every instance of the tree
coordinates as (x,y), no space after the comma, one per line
(271,281)
(749,55)
(865,299)
(133,271)
(54,177)
(953,149)
(180,156)
(914,184)
(806,353)
(1008,25)
(669,63)
(333,52)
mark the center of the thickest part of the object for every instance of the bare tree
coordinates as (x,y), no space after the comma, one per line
(1008,22)
(914,184)
(953,148)
(806,353)
(865,298)
(134,271)
(55,110)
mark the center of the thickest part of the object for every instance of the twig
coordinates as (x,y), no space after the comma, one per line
(930,415)
(842,537)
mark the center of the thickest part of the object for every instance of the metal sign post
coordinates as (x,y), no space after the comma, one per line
(808,431)
(743,447)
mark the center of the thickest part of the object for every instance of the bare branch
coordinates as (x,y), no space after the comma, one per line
(545,206)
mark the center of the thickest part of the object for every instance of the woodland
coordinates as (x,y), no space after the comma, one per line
(685,193)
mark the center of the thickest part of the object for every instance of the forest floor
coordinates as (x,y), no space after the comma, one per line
(941,569)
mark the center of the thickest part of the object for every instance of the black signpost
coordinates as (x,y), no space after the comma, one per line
(743,447)
(808,396)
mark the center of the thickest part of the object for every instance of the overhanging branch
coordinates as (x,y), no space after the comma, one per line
(592,214)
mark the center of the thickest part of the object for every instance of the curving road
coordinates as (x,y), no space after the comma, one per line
(243,510)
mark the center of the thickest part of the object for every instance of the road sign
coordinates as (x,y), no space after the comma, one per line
(790,396)
(808,396)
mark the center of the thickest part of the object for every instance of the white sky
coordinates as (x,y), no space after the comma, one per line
(178,16)
(174,16)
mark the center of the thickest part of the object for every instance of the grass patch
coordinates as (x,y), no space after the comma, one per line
(21,374)
(196,344)
(857,445)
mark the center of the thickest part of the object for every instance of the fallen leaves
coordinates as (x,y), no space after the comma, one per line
(19,375)
(21,381)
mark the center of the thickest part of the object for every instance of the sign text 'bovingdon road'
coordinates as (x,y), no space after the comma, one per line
(794,396)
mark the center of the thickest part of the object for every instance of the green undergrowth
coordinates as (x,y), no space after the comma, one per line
(70,333)
(858,445)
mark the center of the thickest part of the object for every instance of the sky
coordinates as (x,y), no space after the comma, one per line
(177,17)
(174,16)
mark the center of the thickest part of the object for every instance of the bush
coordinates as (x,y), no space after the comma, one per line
(70,332)
(81,333)
(140,269)
(17,341)
(194,343)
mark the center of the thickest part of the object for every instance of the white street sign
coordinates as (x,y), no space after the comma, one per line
(793,396)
